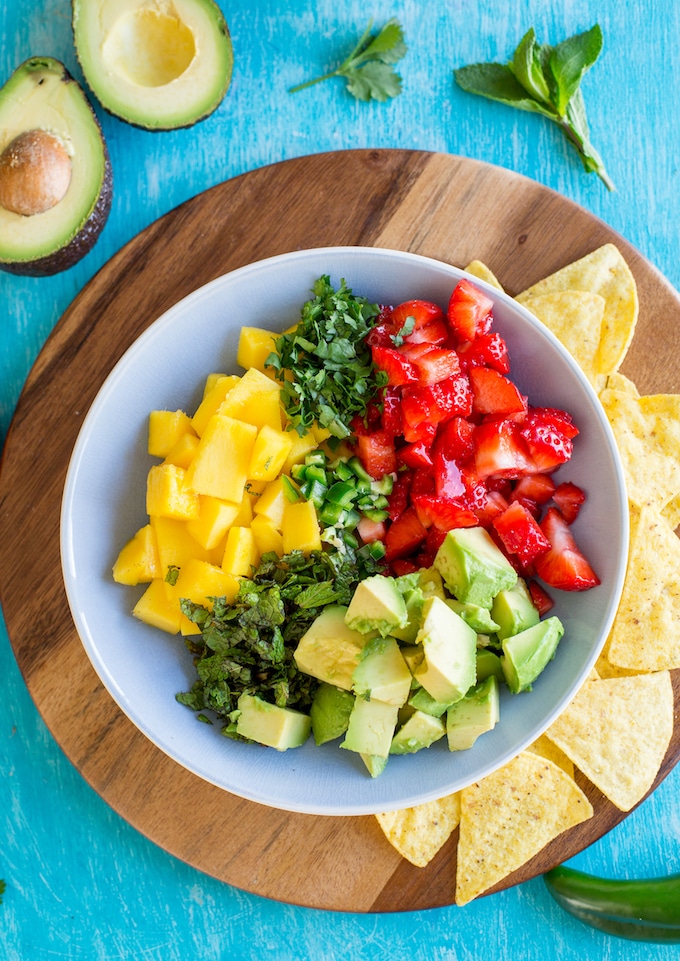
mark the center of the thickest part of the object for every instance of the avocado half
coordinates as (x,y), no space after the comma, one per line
(157,64)
(55,172)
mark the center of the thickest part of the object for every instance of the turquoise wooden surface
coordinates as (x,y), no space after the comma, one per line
(83,884)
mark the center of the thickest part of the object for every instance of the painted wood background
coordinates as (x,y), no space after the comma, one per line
(83,884)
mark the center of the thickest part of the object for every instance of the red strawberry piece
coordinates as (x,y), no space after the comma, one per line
(569,498)
(563,566)
(422,482)
(398,368)
(370,531)
(469,312)
(547,446)
(494,504)
(432,363)
(448,481)
(404,535)
(536,487)
(443,512)
(559,420)
(435,539)
(418,454)
(391,419)
(398,500)
(542,601)
(400,567)
(377,453)
(488,350)
(425,319)
(494,393)
(454,439)
(520,533)
(501,450)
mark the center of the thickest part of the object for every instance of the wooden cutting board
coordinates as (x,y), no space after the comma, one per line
(445,207)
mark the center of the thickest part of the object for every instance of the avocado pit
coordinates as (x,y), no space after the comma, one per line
(35,173)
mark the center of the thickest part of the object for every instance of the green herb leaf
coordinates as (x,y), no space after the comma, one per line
(545,80)
(368,70)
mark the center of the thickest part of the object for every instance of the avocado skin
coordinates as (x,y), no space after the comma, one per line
(87,236)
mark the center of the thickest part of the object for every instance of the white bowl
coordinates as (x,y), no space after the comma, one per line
(104,503)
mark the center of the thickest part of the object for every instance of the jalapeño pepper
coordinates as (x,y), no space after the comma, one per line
(640,910)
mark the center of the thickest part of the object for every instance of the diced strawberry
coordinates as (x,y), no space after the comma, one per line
(398,368)
(536,487)
(501,450)
(423,432)
(427,322)
(469,312)
(563,566)
(381,334)
(404,535)
(488,350)
(444,512)
(418,454)
(569,498)
(432,363)
(542,601)
(377,453)
(435,539)
(548,447)
(370,531)
(399,498)
(558,420)
(454,439)
(424,559)
(400,567)
(391,419)
(529,504)
(494,505)
(434,404)
(422,482)
(448,481)
(494,393)
(520,533)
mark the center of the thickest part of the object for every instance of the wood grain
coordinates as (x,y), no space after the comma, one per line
(442,206)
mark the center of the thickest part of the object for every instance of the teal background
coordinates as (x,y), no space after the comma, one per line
(81,883)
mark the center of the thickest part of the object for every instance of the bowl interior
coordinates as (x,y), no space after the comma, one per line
(103,505)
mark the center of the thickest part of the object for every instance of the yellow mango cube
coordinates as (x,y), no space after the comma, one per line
(182,453)
(215,517)
(240,555)
(165,429)
(210,382)
(220,465)
(267,536)
(137,562)
(255,400)
(175,544)
(320,433)
(254,346)
(155,608)
(167,494)
(198,581)
(245,512)
(269,453)
(299,448)
(212,401)
(301,528)
(271,503)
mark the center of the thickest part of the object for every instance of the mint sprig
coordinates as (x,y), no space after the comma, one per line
(546,80)
(369,69)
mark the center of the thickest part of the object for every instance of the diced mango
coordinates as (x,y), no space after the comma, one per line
(138,561)
(245,513)
(198,581)
(241,554)
(155,608)
(255,400)
(182,453)
(165,429)
(267,536)
(271,503)
(269,453)
(215,517)
(301,528)
(299,448)
(175,544)
(254,346)
(167,494)
(210,382)
(320,433)
(220,466)
(212,401)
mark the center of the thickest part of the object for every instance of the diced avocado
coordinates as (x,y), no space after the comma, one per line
(56,184)
(329,650)
(526,654)
(473,568)
(414,601)
(413,654)
(382,672)
(377,605)
(488,664)
(329,713)
(277,727)
(448,668)
(420,731)
(431,583)
(374,765)
(514,610)
(473,715)
(371,727)
(422,701)
(155,65)
(479,618)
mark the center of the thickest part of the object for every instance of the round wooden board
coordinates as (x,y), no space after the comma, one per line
(442,206)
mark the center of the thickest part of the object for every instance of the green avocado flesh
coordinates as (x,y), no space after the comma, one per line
(157,66)
(42,97)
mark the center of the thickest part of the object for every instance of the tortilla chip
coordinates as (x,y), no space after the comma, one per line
(575,318)
(671,512)
(419,832)
(647,433)
(544,747)
(603,272)
(617,731)
(478,269)
(645,635)
(619,381)
(509,816)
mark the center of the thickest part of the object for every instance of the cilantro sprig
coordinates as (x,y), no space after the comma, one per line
(544,79)
(369,69)
(334,377)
